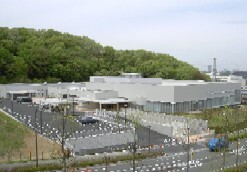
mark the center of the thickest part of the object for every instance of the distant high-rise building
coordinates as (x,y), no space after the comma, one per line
(214,71)
(209,68)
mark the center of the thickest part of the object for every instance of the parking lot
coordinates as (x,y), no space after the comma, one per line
(50,125)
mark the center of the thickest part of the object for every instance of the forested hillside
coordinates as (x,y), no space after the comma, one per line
(29,55)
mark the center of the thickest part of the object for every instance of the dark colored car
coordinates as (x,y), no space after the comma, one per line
(24,100)
(88,120)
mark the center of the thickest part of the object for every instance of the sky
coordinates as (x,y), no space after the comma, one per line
(194,31)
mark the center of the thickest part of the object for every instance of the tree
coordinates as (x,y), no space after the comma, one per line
(135,119)
(49,54)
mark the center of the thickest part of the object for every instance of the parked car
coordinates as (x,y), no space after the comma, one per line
(88,120)
(24,100)
(215,144)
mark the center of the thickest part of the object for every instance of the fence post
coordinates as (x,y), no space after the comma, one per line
(30,156)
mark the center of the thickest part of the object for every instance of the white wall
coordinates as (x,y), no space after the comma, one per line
(169,93)
(105,95)
(133,91)
(201,92)
(107,79)
(2,91)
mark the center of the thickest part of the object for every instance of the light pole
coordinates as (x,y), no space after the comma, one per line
(36,137)
(12,108)
(226,139)
(73,110)
(65,113)
(237,128)
(188,151)
(41,122)
(125,106)
(106,162)
(149,140)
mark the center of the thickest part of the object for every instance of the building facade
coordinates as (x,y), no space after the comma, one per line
(148,94)
(170,96)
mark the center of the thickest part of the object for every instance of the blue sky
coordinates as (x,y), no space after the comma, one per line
(195,31)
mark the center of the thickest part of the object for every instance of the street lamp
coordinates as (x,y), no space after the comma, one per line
(125,106)
(12,108)
(36,137)
(107,159)
(41,122)
(133,147)
(148,140)
(73,105)
(188,151)
(226,138)
(65,113)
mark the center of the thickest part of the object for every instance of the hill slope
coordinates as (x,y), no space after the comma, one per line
(18,142)
(28,55)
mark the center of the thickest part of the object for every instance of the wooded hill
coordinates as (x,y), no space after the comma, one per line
(29,55)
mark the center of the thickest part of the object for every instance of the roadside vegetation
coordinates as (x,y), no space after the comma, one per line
(223,119)
(87,163)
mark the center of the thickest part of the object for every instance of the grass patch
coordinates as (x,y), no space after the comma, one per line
(34,169)
(11,136)
(222,119)
(241,168)
(241,136)
(49,167)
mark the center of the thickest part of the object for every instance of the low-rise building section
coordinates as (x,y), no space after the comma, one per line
(147,94)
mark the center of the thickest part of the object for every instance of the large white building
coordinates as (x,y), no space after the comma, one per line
(155,94)
(148,94)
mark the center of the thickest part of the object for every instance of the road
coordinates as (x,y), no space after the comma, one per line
(203,160)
